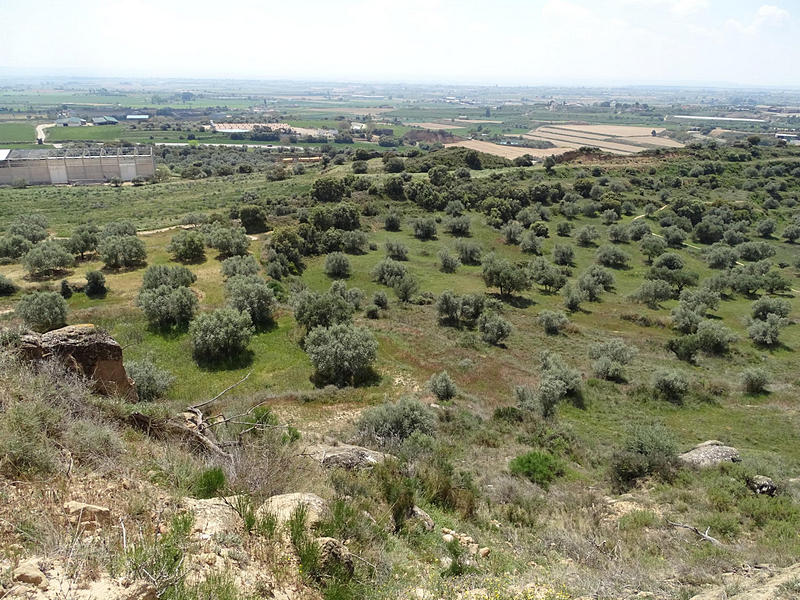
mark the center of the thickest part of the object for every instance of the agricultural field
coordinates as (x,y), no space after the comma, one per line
(536,346)
(17,132)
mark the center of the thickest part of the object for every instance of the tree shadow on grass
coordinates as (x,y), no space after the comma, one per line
(230,363)
(515,301)
(367,378)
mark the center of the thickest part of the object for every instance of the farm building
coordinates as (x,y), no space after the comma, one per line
(82,166)
(70,122)
(137,117)
(104,121)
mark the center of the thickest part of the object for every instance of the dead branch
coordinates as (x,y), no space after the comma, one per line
(218,396)
(199,437)
(704,536)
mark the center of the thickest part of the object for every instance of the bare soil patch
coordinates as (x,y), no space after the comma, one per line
(435,126)
(510,152)
(614,130)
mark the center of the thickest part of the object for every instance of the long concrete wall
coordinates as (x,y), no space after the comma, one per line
(76,169)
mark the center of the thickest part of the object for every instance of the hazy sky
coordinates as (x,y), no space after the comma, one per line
(490,41)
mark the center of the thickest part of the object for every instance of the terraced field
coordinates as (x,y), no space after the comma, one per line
(616,139)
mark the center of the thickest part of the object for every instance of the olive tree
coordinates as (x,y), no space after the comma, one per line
(47,258)
(125,251)
(341,353)
(187,247)
(42,311)
(221,334)
(251,294)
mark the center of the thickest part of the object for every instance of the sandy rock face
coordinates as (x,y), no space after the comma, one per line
(709,454)
(29,572)
(87,350)
(283,505)
(345,456)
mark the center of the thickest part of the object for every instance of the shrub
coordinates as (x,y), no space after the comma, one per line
(221,334)
(459,226)
(502,274)
(670,385)
(767,332)
(13,246)
(92,443)
(321,310)
(539,467)
(229,241)
(42,311)
(84,239)
(119,252)
(721,257)
(354,242)
(406,287)
(118,229)
(494,328)
(531,243)
(389,271)
(563,255)
(209,483)
(391,423)
(611,357)
(469,253)
(512,232)
(552,321)
(586,235)
(714,338)
(392,222)
(652,246)
(594,280)
(652,292)
(564,229)
(373,311)
(95,284)
(251,295)
(170,276)
(396,250)
(32,227)
(151,381)
(47,258)
(380,300)
(448,262)
(765,306)
(7,286)
(611,256)
(442,386)
(424,229)
(674,236)
(25,445)
(755,251)
(647,450)
(341,353)
(638,229)
(573,297)
(754,380)
(337,265)
(240,265)
(253,218)
(165,306)
(187,246)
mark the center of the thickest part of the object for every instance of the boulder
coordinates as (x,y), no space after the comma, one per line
(709,454)
(283,506)
(89,515)
(87,350)
(334,555)
(29,572)
(422,517)
(345,456)
(213,515)
(762,485)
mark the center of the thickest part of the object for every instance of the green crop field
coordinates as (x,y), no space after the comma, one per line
(11,132)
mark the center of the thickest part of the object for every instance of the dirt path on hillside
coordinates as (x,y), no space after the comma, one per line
(41,134)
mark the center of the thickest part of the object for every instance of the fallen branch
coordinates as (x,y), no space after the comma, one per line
(704,536)
(199,437)
(218,396)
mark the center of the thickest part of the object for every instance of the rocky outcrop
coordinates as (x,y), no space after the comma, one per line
(762,485)
(283,506)
(709,454)
(88,516)
(87,350)
(334,556)
(30,573)
(345,456)
(760,583)
(423,517)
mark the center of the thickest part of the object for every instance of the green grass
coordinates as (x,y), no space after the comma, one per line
(11,132)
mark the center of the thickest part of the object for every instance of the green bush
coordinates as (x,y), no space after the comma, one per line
(47,258)
(27,431)
(648,449)
(424,228)
(166,306)
(209,483)
(469,253)
(251,294)
(391,423)
(221,334)
(380,299)
(187,247)
(494,328)
(170,276)
(442,386)
(337,265)
(539,467)
(388,271)
(32,227)
(42,311)
(670,385)
(229,241)
(396,250)
(341,353)
(552,321)
(151,381)
(95,284)
(240,265)
(448,262)
(13,247)
(392,222)
(119,252)
(7,286)
(754,380)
